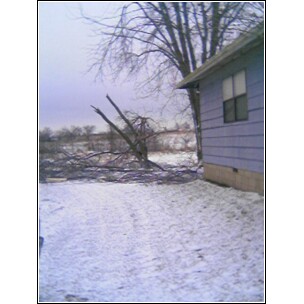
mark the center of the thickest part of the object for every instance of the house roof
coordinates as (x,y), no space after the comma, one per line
(242,44)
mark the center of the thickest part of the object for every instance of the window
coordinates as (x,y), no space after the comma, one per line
(235,98)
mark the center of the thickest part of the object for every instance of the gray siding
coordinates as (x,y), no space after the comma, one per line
(239,144)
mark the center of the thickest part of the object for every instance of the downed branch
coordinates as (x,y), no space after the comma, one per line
(136,137)
(76,167)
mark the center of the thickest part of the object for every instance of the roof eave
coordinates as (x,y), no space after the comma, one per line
(229,53)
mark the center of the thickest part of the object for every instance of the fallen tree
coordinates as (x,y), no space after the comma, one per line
(120,168)
(136,136)
(129,165)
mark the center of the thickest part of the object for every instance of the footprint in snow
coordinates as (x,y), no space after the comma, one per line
(73,298)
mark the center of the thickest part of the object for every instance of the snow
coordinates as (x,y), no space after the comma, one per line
(173,159)
(194,242)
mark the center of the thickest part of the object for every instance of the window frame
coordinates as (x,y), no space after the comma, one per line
(234,99)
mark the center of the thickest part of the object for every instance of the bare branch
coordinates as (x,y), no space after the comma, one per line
(158,43)
(188,36)
(123,135)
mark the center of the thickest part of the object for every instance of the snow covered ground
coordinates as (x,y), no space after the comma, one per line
(174,159)
(194,242)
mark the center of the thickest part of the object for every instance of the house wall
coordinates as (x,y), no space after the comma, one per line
(237,145)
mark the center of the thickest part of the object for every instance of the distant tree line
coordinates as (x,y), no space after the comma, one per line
(47,134)
(76,138)
(85,132)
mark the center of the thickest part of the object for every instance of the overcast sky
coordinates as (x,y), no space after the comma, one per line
(66,91)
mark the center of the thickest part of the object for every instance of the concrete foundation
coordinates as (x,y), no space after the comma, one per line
(237,178)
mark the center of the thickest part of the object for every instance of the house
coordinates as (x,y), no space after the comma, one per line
(231,88)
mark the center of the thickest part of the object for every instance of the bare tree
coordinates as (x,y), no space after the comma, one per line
(89,130)
(135,133)
(69,134)
(64,134)
(45,134)
(76,131)
(47,143)
(167,41)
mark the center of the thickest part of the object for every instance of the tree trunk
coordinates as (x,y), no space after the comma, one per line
(215,28)
(195,107)
(136,140)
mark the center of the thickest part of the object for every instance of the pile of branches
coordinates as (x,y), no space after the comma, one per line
(121,168)
(132,165)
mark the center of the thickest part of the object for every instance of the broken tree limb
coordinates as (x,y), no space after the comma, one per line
(123,135)
(156,165)
(137,145)
(125,119)
(142,152)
